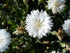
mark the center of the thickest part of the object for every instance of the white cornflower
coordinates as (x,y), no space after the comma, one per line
(66,26)
(54,51)
(38,23)
(56,5)
(4,40)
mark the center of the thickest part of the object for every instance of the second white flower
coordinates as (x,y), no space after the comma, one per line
(57,6)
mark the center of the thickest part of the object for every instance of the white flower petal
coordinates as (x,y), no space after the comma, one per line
(66,26)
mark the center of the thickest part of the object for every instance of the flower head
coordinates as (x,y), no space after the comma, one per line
(38,23)
(66,26)
(54,51)
(4,40)
(56,5)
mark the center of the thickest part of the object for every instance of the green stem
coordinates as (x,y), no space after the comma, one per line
(60,21)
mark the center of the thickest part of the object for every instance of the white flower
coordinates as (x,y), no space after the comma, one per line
(56,5)
(54,51)
(66,26)
(4,40)
(38,23)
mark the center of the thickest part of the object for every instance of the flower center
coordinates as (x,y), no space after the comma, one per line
(1,40)
(37,24)
(57,3)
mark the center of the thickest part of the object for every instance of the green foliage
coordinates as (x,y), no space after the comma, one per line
(13,11)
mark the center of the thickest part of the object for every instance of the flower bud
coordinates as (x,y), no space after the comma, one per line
(68,46)
(60,34)
(45,42)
